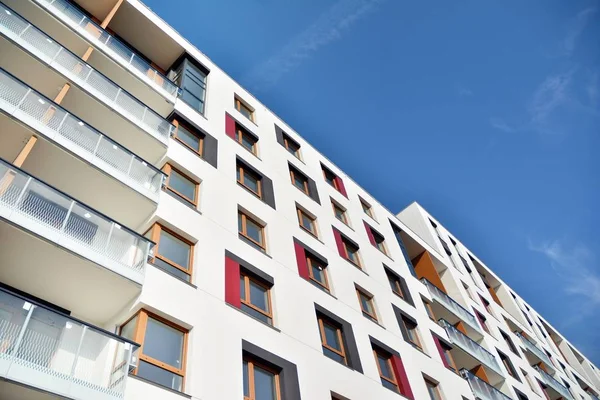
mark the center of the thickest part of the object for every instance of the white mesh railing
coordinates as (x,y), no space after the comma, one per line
(58,354)
(48,118)
(481,389)
(450,304)
(33,40)
(84,26)
(470,346)
(553,383)
(43,210)
(535,350)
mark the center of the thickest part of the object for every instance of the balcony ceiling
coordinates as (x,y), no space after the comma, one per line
(98,8)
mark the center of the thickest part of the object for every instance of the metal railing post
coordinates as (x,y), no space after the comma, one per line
(23,99)
(83,331)
(13,353)
(64,224)
(110,232)
(25,187)
(130,164)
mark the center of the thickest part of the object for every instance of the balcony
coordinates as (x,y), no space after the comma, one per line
(116,171)
(56,65)
(79,258)
(481,389)
(452,306)
(537,353)
(558,388)
(476,353)
(51,352)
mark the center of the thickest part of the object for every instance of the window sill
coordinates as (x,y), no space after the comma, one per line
(182,201)
(158,385)
(254,194)
(419,349)
(239,144)
(375,322)
(340,363)
(253,245)
(254,318)
(319,288)
(174,276)
(355,266)
(311,234)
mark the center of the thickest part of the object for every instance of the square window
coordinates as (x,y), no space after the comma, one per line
(367,209)
(351,252)
(244,109)
(386,370)
(180,185)
(395,283)
(255,298)
(340,212)
(379,241)
(433,389)
(307,222)
(246,139)
(412,332)
(188,136)
(299,180)
(251,230)
(367,305)
(250,180)
(172,252)
(317,272)
(292,146)
(330,177)
(260,382)
(332,340)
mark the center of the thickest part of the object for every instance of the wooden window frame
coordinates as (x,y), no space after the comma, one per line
(388,360)
(344,219)
(244,233)
(286,143)
(314,232)
(412,331)
(371,302)
(251,385)
(293,174)
(322,320)
(397,289)
(367,208)
(167,169)
(381,246)
(188,128)
(242,170)
(238,106)
(139,333)
(449,358)
(247,302)
(327,171)
(239,135)
(155,237)
(436,387)
(429,310)
(309,261)
(346,253)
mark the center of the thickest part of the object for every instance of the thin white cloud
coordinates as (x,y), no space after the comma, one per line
(501,125)
(551,94)
(576,27)
(329,27)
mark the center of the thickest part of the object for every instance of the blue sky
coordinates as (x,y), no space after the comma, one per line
(486,112)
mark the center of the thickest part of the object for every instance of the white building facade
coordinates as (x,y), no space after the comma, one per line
(166,236)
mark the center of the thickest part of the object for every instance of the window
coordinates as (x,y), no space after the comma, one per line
(172,252)
(244,109)
(486,304)
(251,230)
(260,382)
(466,287)
(255,296)
(529,381)
(521,396)
(307,222)
(508,365)
(429,309)
(247,140)
(339,212)
(482,321)
(509,342)
(379,241)
(332,339)
(398,235)
(367,305)
(180,185)
(447,356)
(351,252)
(386,370)
(367,208)
(433,389)
(161,358)
(188,136)
(317,273)
(411,332)
(292,146)
(330,177)
(299,180)
(395,283)
(249,180)
(192,81)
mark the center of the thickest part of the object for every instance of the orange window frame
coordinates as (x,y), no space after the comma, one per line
(343,212)
(167,169)
(286,144)
(309,262)
(413,333)
(367,209)
(239,104)
(239,136)
(244,231)
(155,237)
(177,124)
(313,222)
(347,253)
(333,182)
(322,322)
(388,360)
(242,172)
(293,174)
(397,289)
(248,302)
(370,301)
(139,334)
(252,386)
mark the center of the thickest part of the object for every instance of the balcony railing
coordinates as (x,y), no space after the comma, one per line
(481,389)
(53,352)
(554,384)
(51,214)
(48,118)
(470,346)
(42,46)
(535,350)
(451,304)
(73,17)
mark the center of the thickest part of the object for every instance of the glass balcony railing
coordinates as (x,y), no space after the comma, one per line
(36,42)
(451,305)
(481,389)
(470,346)
(51,214)
(73,17)
(55,353)
(535,350)
(48,118)
(554,384)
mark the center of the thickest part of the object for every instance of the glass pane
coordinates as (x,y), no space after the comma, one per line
(171,269)
(174,249)
(389,385)
(188,138)
(182,185)
(259,296)
(331,336)
(163,343)
(251,182)
(242,287)
(306,221)
(264,384)
(384,367)
(318,273)
(128,329)
(339,213)
(159,375)
(254,231)
(246,383)
(256,314)
(333,355)
(365,303)
(248,141)
(240,223)
(299,182)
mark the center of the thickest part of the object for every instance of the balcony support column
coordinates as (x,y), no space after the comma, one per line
(103,25)
(479,372)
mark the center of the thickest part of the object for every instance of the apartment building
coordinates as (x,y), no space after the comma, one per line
(166,236)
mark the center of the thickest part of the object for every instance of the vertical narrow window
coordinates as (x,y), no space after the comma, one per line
(172,252)
(188,136)
(162,355)
(429,309)
(395,284)
(379,241)
(386,370)
(307,222)
(529,381)
(508,365)
(180,185)
(292,146)
(192,81)
(509,342)
(448,358)
(351,252)
(246,139)
(244,109)
(340,212)
(482,321)
(433,389)
(260,382)
(412,332)
(398,235)
(330,177)
(367,305)
(466,287)
(367,209)
(251,230)
(249,180)
(332,340)
(317,273)
(299,180)
(255,298)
